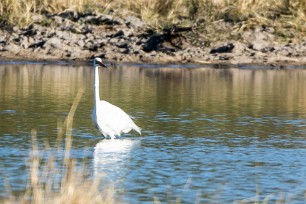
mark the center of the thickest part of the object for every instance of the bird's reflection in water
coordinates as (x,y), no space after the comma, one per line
(111,158)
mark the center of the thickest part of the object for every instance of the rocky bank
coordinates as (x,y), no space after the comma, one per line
(79,36)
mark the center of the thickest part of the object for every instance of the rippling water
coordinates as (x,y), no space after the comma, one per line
(209,135)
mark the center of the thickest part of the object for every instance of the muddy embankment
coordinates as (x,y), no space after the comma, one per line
(79,36)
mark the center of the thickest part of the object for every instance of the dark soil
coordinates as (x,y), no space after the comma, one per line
(76,36)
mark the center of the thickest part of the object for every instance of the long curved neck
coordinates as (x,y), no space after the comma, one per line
(96,85)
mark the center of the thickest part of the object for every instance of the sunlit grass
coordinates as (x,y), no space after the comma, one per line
(20,12)
(161,13)
(54,182)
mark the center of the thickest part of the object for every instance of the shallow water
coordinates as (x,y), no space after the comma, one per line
(209,135)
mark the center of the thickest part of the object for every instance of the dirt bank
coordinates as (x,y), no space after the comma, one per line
(79,36)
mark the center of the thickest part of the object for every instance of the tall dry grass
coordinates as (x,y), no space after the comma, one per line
(20,12)
(51,182)
(160,13)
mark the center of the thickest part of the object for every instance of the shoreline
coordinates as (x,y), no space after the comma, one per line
(72,36)
(190,65)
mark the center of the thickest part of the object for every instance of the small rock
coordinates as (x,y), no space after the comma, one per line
(71,15)
(223,49)
(93,48)
(38,44)
(124,50)
(153,43)
(37,17)
(122,45)
(55,42)
(88,44)
(140,42)
(58,19)
(15,29)
(12,47)
(18,39)
(132,21)
(36,28)
(25,43)
(102,20)
(2,38)
(89,37)
(30,32)
(118,34)
(63,34)
(225,57)
(113,41)
(101,41)
(267,49)
(81,43)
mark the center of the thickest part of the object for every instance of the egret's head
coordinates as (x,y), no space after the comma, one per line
(98,62)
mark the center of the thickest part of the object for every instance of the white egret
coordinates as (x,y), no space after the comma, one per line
(110,120)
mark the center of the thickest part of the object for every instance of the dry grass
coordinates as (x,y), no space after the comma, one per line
(20,12)
(214,20)
(160,13)
(50,182)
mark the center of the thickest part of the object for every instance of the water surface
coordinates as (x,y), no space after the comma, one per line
(209,135)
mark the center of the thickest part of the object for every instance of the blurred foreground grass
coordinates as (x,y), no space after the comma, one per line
(50,182)
(162,13)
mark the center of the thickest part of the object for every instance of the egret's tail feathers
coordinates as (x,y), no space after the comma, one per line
(127,130)
(137,129)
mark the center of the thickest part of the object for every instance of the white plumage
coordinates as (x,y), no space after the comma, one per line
(109,119)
